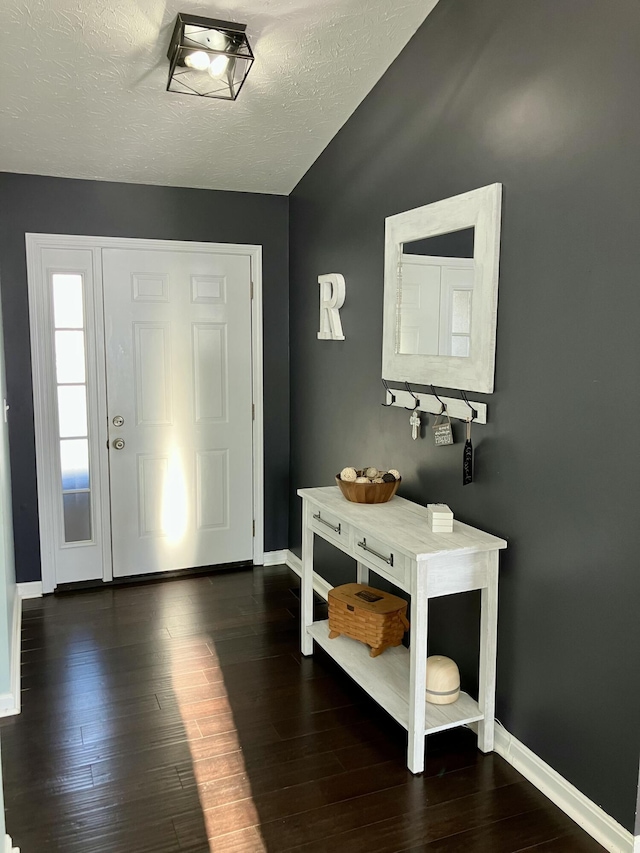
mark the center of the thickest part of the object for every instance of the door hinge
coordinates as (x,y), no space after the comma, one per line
(254,527)
(253,411)
(251,290)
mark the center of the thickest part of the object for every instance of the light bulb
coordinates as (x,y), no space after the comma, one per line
(218,66)
(199,60)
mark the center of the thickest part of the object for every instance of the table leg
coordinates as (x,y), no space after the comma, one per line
(362,574)
(306,583)
(418,670)
(488,650)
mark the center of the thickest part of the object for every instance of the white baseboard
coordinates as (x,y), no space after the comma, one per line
(601,826)
(32,589)
(275,558)
(8,845)
(10,702)
(320,585)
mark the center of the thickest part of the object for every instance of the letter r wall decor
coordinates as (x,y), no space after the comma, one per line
(332,295)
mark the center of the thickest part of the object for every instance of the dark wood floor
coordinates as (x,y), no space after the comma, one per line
(179,716)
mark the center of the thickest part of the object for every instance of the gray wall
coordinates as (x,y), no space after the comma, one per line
(55,205)
(542,97)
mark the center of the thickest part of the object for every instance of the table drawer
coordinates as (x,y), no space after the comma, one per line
(331,527)
(380,557)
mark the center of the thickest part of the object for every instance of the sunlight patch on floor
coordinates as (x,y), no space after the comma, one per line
(223,772)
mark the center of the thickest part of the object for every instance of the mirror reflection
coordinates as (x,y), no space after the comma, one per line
(435,295)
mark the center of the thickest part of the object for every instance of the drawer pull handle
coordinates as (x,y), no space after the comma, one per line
(318,517)
(388,560)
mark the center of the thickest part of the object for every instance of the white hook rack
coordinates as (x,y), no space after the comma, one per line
(456,408)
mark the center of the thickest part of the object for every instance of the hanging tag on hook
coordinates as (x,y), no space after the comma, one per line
(467,458)
(442,432)
(416,423)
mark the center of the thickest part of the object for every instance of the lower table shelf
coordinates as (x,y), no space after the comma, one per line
(386,679)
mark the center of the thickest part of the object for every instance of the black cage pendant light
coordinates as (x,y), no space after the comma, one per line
(207,57)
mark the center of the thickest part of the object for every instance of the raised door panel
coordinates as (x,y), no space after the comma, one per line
(152,480)
(152,372)
(212,489)
(211,372)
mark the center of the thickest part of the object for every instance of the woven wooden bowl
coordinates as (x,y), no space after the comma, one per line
(368,493)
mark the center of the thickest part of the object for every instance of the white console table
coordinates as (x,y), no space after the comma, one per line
(394,541)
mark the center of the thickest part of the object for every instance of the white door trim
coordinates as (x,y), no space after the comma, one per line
(41,334)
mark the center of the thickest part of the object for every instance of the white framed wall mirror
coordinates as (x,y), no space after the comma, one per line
(441,292)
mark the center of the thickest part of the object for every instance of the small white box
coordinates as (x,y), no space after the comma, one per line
(440,518)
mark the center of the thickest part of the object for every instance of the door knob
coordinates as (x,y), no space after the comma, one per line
(118,444)
(118,420)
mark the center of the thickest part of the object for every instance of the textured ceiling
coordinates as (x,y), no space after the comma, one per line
(82,88)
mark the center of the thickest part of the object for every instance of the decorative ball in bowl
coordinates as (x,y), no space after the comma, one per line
(368,485)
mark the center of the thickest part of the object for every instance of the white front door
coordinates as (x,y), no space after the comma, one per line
(148,405)
(178,354)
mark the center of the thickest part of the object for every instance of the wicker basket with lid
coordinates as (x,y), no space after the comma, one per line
(370,615)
